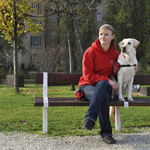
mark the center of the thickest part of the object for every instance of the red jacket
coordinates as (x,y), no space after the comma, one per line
(97,64)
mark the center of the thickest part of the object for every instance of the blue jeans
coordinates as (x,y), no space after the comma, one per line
(99,97)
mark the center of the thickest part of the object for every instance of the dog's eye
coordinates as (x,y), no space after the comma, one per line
(122,43)
(129,43)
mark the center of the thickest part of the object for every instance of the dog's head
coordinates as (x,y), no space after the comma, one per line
(128,45)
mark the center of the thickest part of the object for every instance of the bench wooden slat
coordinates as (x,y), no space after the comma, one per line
(60,101)
(58,79)
(66,79)
(142,79)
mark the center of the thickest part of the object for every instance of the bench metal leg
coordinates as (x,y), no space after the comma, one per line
(45,120)
(45,102)
(117,118)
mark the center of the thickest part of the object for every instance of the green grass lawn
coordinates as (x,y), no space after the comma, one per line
(17,113)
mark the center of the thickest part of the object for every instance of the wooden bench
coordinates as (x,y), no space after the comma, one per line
(48,79)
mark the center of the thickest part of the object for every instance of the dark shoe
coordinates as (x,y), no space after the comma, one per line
(109,140)
(88,124)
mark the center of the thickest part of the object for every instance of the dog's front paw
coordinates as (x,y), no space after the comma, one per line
(121,99)
(130,99)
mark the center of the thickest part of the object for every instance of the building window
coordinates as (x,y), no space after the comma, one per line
(35,41)
(53,18)
(37,21)
(22,66)
(36,8)
(53,33)
(98,17)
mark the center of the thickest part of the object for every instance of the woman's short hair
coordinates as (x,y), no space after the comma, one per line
(109,27)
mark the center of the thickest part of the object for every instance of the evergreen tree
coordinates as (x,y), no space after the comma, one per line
(130,18)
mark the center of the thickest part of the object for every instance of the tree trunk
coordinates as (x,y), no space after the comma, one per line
(16,87)
(76,29)
(70,55)
(70,51)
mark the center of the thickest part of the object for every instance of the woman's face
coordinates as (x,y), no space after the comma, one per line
(105,37)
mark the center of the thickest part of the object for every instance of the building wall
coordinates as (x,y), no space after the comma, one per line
(31,44)
(29,57)
(101,11)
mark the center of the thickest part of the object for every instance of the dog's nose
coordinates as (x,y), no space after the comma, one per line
(124,49)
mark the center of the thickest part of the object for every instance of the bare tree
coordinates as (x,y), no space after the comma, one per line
(47,59)
(75,17)
(71,12)
(6,57)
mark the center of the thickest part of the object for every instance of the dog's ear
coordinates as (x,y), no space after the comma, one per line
(135,43)
(120,44)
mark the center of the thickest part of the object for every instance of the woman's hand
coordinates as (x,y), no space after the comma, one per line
(136,69)
(113,84)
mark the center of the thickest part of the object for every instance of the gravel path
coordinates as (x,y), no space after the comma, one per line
(23,141)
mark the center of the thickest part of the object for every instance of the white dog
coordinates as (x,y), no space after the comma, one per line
(126,64)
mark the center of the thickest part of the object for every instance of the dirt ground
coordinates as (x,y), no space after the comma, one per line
(137,93)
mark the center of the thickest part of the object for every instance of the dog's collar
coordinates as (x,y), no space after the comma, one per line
(124,56)
(126,65)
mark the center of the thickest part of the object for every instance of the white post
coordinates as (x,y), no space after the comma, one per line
(45,102)
(117,118)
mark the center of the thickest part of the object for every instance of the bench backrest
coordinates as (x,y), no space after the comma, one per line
(58,79)
(66,79)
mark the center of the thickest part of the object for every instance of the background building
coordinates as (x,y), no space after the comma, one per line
(34,43)
(101,11)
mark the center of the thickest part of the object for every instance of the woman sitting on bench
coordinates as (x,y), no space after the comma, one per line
(95,83)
